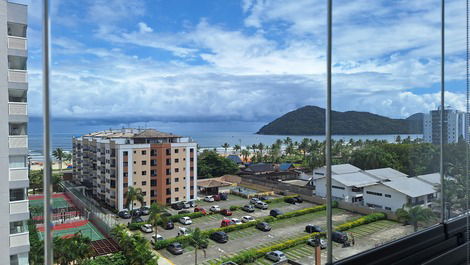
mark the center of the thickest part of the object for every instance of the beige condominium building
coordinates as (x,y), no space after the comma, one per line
(162,165)
(14,236)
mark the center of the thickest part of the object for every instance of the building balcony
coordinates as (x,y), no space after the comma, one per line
(18,174)
(18,109)
(19,240)
(18,141)
(17,76)
(17,43)
(19,207)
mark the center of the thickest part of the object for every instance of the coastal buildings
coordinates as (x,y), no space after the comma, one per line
(163,165)
(14,236)
(455,126)
(383,188)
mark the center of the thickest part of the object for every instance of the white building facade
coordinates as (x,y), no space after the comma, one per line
(455,126)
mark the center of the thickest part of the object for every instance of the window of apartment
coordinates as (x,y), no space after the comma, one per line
(144,162)
(135,162)
(17,195)
(338,187)
(144,193)
(18,227)
(177,199)
(374,193)
(177,150)
(135,152)
(191,187)
(19,259)
(191,168)
(153,162)
(113,184)
(168,151)
(125,164)
(17,161)
(125,153)
(125,174)
(177,170)
(191,159)
(177,179)
(153,152)
(388,195)
(144,183)
(177,189)
(153,182)
(168,191)
(388,208)
(191,150)
(125,185)
(168,181)
(168,200)
(152,193)
(168,171)
(374,205)
(191,196)
(135,172)
(153,173)
(144,152)
(177,160)
(168,161)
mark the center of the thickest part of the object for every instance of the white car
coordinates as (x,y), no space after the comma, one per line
(183,231)
(186,220)
(156,237)
(146,228)
(261,205)
(236,221)
(276,256)
(246,219)
(254,200)
(209,199)
(215,208)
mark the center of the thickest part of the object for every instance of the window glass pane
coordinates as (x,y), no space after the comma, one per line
(18,227)
(17,194)
(17,161)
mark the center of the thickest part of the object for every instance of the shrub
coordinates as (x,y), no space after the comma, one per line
(281,199)
(234,208)
(361,221)
(302,212)
(135,226)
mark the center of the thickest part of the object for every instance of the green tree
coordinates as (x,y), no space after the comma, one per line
(225,146)
(198,240)
(155,215)
(135,247)
(211,164)
(237,148)
(72,250)
(134,194)
(36,251)
(245,153)
(373,157)
(113,259)
(414,215)
(36,180)
(59,155)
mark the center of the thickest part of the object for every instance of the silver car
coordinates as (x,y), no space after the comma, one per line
(276,256)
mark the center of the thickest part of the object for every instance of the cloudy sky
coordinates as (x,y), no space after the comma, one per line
(245,60)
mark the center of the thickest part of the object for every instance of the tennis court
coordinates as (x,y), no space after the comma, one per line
(65,230)
(58,201)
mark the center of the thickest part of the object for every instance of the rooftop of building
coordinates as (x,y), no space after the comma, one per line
(385,173)
(412,187)
(131,133)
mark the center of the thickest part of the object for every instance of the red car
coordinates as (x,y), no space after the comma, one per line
(216,197)
(226,212)
(225,223)
(199,209)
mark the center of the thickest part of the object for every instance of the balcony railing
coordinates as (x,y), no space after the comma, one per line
(18,141)
(17,174)
(18,43)
(18,240)
(19,76)
(19,207)
(17,108)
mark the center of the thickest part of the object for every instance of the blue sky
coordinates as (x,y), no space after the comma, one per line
(252,60)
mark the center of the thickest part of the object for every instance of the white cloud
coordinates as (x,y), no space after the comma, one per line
(144,28)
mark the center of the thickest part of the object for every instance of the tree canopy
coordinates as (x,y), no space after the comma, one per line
(211,164)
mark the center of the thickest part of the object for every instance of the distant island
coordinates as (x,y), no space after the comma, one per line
(310,120)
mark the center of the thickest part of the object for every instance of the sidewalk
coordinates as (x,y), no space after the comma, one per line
(162,260)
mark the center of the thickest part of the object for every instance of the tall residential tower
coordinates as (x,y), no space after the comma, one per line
(14,237)
(455,126)
(163,165)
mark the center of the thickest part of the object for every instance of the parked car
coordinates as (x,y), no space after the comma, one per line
(186,205)
(199,209)
(167,214)
(223,196)
(263,198)
(298,199)
(275,212)
(216,197)
(247,218)
(220,237)
(155,238)
(263,226)
(136,213)
(276,256)
(215,208)
(177,206)
(254,200)
(175,248)
(248,208)
(124,214)
(291,200)
(192,203)
(226,222)
(339,237)
(183,212)
(209,199)
(312,229)
(183,231)
(137,220)
(168,225)
(186,220)
(236,221)
(146,228)
(261,205)
(226,212)
(145,210)
(315,242)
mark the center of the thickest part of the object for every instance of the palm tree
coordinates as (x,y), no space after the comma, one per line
(261,148)
(59,155)
(155,215)
(414,215)
(237,148)
(303,146)
(134,194)
(198,240)
(245,153)
(225,146)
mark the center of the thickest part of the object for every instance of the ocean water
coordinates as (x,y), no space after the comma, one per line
(206,134)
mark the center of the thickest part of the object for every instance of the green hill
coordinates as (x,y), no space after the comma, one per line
(310,120)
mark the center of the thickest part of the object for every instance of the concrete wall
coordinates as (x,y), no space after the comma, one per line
(395,202)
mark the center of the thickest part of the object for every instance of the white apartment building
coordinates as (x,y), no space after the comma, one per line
(383,188)
(454,126)
(14,236)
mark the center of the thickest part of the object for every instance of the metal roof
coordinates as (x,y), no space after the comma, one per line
(386,173)
(433,178)
(412,187)
(344,168)
(355,179)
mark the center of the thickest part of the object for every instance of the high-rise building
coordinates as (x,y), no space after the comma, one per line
(162,165)
(14,236)
(455,126)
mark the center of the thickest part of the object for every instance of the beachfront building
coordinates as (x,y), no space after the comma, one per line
(14,236)
(162,165)
(455,126)
(383,188)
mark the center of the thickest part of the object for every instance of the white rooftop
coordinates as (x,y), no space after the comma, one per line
(356,179)
(336,169)
(386,173)
(412,187)
(433,178)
